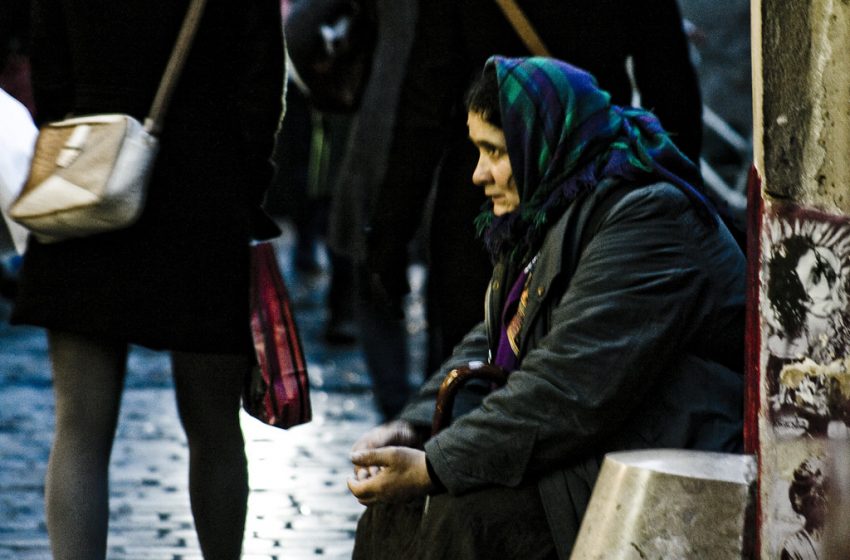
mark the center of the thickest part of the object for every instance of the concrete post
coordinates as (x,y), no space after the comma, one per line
(799,338)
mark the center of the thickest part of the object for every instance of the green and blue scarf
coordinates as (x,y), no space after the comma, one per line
(564,137)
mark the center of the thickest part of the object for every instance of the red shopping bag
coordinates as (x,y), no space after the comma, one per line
(277,392)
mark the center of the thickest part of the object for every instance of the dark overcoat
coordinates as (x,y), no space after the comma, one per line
(178,278)
(633,338)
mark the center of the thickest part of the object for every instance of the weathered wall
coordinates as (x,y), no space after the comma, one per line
(805,75)
(801,116)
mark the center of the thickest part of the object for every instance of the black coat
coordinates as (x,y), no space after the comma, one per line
(452,41)
(178,279)
(633,338)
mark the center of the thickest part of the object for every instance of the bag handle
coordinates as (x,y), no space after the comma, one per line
(154,120)
(523,27)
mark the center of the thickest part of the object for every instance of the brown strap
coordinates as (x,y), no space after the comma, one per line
(523,28)
(153,123)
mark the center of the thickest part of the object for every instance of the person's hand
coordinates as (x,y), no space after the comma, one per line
(397,432)
(389,474)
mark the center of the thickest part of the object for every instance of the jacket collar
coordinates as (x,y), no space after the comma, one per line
(557,259)
(546,269)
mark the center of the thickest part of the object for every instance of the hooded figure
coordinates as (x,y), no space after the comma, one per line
(616,306)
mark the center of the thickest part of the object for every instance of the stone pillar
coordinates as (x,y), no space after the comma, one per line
(799,337)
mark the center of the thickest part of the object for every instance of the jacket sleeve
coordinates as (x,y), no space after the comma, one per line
(474,346)
(625,316)
(664,74)
(259,96)
(52,76)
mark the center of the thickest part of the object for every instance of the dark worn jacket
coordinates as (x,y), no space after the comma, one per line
(633,338)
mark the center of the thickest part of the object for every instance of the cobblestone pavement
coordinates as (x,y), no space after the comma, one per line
(299,506)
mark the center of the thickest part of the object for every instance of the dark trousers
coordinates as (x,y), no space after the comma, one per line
(491,524)
(383,335)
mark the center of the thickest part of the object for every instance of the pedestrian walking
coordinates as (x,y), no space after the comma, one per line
(379,307)
(178,279)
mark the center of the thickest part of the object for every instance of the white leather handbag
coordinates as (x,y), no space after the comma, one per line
(89,174)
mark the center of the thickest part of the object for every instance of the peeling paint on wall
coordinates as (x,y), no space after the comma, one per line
(826,176)
(805,83)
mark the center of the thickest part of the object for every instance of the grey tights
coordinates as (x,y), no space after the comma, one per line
(88,379)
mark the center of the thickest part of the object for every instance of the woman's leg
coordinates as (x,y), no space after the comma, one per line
(88,377)
(208,388)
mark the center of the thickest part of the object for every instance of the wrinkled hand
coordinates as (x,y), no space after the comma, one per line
(397,432)
(389,474)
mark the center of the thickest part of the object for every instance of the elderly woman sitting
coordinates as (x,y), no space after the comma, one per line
(616,306)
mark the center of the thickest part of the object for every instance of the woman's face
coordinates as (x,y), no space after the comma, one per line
(493,171)
(819,269)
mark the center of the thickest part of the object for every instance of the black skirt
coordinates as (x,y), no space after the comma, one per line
(178,279)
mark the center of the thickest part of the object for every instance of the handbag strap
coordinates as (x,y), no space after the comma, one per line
(523,27)
(154,120)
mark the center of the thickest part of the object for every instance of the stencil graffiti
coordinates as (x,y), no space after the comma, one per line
(807,494)
(807,323)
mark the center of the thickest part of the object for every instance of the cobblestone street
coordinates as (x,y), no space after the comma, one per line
(299,506)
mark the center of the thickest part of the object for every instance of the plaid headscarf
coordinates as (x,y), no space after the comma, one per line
(564,137)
